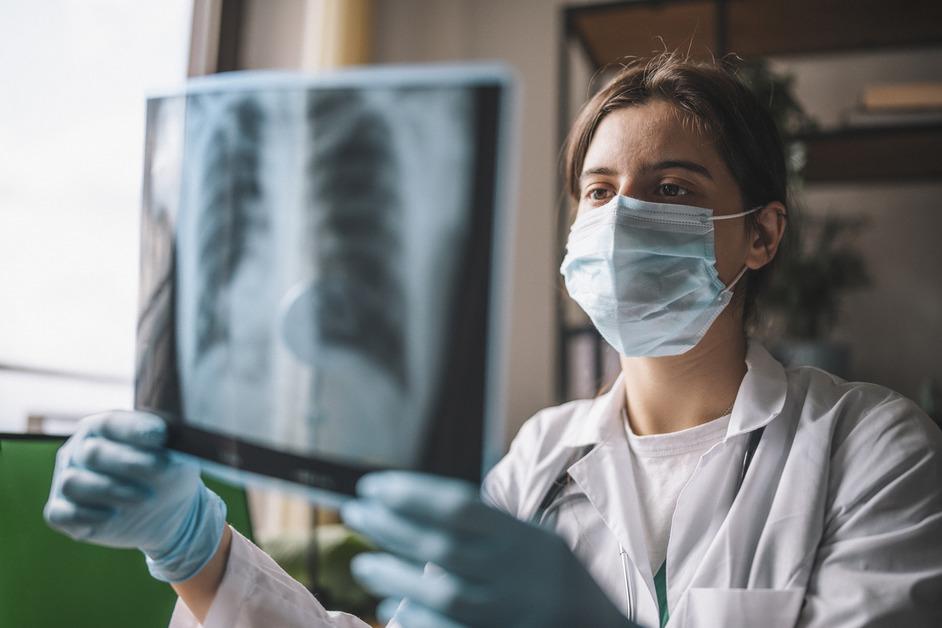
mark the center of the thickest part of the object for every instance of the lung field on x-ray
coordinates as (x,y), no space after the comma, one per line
(232,216)
(356,213)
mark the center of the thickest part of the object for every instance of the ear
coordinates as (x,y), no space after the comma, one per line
(766,235)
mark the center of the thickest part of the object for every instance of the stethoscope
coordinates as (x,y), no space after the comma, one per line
(552,501)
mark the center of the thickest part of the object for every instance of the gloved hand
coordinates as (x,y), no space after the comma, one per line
(115,485)
(490,569)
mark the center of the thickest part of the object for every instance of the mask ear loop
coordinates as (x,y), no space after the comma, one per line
(733,283)
(739,215)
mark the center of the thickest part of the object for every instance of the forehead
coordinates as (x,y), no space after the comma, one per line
(651,132)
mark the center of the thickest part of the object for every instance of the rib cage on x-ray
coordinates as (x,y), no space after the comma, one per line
(318,241)
(224,264)
(352,189)
(231,183)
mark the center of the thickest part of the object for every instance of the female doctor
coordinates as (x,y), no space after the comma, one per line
(709,486)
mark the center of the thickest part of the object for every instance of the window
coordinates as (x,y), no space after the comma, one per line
(72,127)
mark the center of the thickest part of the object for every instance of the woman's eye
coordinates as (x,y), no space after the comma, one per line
(672,189)
(597,194)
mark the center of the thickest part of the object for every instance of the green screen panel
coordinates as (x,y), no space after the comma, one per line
(48,580)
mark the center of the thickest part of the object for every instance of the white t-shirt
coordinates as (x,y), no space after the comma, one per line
(662,464)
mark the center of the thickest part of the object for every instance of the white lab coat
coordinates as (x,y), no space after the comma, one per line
(838,522)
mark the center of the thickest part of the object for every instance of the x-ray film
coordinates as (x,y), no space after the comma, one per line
(322,269)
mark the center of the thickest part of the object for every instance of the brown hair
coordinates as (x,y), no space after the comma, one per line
(711,97)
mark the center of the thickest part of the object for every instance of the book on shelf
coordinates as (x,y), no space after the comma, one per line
(886,97)
(860,118)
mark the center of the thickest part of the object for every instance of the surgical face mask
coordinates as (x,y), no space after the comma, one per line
(645,273)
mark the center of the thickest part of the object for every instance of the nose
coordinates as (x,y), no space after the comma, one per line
(630,186)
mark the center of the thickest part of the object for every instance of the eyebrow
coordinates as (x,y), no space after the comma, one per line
(692,166)
(686,165)
(608,172)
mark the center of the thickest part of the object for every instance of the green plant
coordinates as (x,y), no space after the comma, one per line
(326,551)
(776,91)
(807,288)
(821,264)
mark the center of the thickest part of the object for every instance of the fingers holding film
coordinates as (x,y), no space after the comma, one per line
(416,541)
(412,615)
(388,530)
(133,428)
(117,459)
(75,519)
(388,576)
(90,488)
(387,608)
(441,501)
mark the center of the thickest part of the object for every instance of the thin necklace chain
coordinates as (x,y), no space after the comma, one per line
(729,408)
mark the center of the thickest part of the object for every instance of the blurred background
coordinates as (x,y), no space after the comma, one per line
(856,86)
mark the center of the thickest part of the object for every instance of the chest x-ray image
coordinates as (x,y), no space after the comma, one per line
(320,279)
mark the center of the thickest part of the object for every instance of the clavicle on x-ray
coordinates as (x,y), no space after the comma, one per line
(319,278)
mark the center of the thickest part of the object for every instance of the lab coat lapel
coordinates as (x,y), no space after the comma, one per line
(701,509)
(732,555)
(606,478)
(705,502)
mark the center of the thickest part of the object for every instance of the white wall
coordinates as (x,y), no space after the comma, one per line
(273,34)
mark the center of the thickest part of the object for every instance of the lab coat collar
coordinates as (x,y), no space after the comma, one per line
(602,422)
(761,395)
(760,399)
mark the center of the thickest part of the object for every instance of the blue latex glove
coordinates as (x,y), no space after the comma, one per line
(489,569)
(116,485)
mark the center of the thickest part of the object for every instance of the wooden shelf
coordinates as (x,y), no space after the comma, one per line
(610,31)
(912,153)
(784,27)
